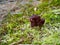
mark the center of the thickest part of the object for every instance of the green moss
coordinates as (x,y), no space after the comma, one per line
(16,27)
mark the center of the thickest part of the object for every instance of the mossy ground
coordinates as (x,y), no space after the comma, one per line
(15,28)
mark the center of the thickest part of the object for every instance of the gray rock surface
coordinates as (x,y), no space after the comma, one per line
(5,7)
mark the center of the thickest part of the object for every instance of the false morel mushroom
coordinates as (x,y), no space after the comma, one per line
(36,21)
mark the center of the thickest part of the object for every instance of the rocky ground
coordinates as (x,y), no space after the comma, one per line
(5,7)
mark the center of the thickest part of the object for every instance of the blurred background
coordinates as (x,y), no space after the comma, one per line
(15,27)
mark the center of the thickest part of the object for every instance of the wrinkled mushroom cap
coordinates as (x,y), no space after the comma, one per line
(36,20)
